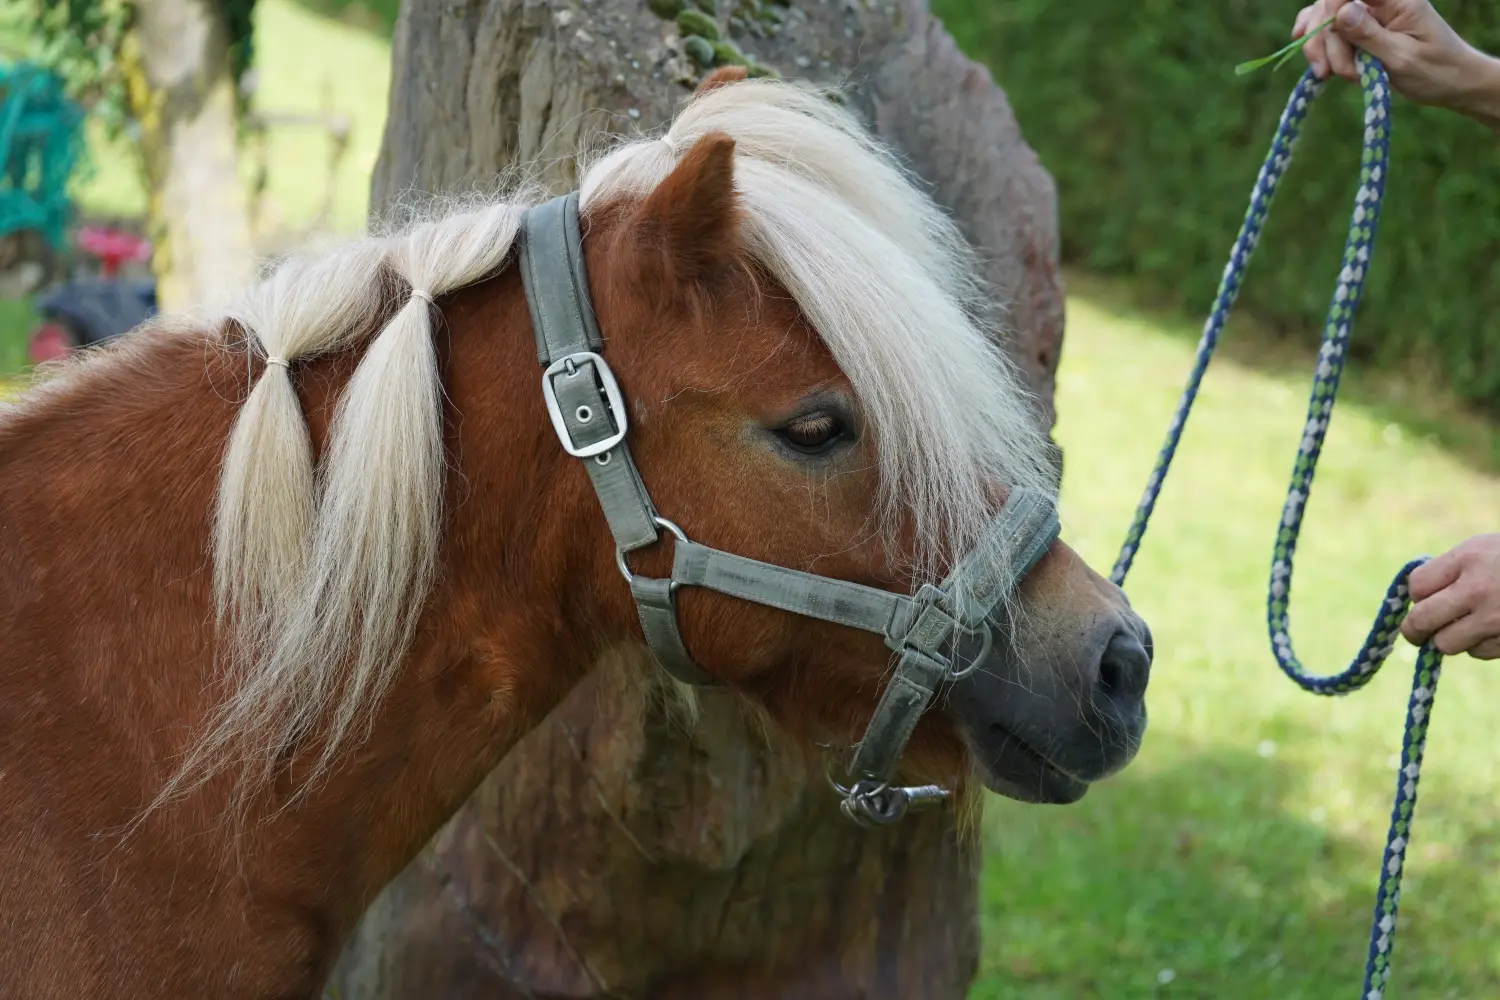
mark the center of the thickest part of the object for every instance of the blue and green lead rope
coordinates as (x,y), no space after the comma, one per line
(1374,166)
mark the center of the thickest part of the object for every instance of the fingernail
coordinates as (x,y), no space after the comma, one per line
(1319,70)
(1352,16)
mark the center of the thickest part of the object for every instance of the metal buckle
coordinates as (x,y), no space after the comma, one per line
(570,367)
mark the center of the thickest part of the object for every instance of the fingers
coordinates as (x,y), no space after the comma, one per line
(1325,51)
(1467,633)
(1309,18)
(1457,597)
(1430,616)
(1435,574)
(1303,22)
(1340,51)
(1357,26)
(1489,649)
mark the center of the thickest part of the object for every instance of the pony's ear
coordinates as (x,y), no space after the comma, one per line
(693,216)
(723,76)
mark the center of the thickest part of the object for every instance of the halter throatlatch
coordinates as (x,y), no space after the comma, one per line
(926,630)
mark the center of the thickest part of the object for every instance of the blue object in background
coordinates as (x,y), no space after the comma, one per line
(97,309)
(41,141)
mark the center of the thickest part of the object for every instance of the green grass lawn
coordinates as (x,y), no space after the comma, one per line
(1237,857)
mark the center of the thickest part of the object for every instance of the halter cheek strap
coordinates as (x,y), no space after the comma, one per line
(589,414)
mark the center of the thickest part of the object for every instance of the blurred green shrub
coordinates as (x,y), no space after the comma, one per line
(1155,144)
(374,15)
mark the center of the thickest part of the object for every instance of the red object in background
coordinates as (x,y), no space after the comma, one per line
(96,308)
(112,246)
(50,342)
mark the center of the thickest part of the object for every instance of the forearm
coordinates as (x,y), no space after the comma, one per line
(1479,98)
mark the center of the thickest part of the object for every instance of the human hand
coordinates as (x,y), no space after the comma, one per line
(1457,599)
(1425,58)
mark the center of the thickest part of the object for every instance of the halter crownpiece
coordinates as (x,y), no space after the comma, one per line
(589,414)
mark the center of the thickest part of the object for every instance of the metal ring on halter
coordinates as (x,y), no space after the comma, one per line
(987,644)
(847,790)
(660,522)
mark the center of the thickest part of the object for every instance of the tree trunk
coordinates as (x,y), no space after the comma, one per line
(613,852)
(182,93)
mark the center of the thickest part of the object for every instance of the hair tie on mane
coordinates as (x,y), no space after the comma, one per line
(272,359)
(417,293)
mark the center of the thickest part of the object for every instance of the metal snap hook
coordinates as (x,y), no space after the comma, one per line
(870,803)
(880,807)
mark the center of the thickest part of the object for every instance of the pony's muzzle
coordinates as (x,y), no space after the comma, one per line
(1046,715)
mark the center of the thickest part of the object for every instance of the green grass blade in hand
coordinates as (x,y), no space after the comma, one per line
(1281,55)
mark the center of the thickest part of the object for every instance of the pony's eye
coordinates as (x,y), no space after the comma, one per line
(814,434)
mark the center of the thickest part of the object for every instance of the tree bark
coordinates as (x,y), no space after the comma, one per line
(615,852)
(182,93)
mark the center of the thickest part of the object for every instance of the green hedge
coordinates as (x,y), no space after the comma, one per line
(1155,144)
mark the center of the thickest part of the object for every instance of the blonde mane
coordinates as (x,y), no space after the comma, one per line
(320,578)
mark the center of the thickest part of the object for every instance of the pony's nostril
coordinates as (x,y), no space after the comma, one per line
(1125,666)
(1109,676)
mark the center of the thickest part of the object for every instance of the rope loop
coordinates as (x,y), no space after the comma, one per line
(1337,327)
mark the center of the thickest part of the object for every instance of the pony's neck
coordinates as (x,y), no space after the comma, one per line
(107,484)
(517,617)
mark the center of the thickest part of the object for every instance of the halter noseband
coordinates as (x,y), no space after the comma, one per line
(588,412)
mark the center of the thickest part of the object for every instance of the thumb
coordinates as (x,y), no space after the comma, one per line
(1357,26)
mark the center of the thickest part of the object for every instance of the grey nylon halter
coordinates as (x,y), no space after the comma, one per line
(588,412)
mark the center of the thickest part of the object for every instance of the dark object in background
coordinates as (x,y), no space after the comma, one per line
(81,313)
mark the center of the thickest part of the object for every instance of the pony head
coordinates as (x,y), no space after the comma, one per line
(809,381)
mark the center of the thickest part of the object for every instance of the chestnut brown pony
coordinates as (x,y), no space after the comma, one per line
(279,587)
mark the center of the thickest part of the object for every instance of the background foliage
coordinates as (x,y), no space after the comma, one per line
(1155,144)
(80,41)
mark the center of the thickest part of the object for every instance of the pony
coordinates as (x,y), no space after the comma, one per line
(280,585)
